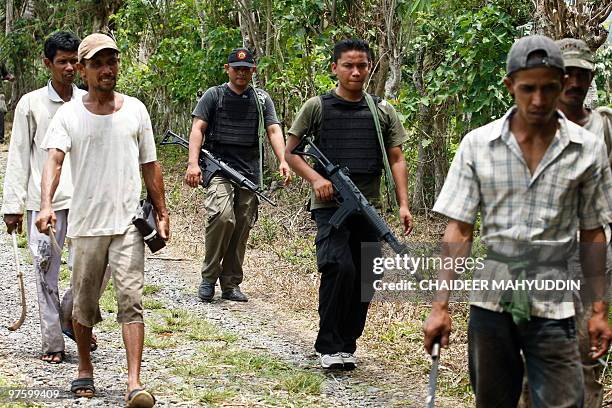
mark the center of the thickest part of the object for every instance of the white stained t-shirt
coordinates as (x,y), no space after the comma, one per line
(106,153)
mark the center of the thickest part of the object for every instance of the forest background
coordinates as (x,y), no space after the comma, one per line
(439,62)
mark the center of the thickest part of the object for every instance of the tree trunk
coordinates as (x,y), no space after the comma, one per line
(103,11)
(9,16)
(393,30)
(556,19)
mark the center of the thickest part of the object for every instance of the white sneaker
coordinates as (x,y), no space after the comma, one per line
(349,360)
(332,361)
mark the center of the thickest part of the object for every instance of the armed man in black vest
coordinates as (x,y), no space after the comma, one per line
(364,134)
(230,120)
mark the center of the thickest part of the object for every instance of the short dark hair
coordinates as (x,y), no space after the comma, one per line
(351,44)
(63,41)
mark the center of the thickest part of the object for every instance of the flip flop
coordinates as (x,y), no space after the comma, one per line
(140,398)
(61,354)
(83,384)
(70,334)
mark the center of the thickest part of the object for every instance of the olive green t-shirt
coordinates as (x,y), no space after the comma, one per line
(308,121)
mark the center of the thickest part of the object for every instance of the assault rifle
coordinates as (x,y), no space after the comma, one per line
(350,199)
(212,166)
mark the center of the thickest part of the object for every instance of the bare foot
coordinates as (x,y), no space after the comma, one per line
(53,358)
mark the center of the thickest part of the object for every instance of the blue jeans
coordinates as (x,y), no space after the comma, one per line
(551,353)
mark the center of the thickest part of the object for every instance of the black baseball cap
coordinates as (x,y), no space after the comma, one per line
(521,55)
(241,57)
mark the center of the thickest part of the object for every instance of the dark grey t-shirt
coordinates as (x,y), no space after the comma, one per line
(243,159)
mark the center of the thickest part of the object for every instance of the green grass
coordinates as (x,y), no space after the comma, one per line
(109,324)
(208,396)
(301,382)
(153,304)
(108,301)
(159,342)
(150,289)
(64,277)
(204,331)
(221,370)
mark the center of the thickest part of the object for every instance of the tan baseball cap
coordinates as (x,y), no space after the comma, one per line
(576,53)
(94,43)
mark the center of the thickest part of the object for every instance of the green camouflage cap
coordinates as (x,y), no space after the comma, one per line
(576,53)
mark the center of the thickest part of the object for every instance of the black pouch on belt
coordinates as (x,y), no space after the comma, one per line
(145,223)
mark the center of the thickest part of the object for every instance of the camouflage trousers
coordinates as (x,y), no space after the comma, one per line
(231,212)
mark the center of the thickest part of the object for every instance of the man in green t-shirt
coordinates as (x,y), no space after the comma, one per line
(344,129)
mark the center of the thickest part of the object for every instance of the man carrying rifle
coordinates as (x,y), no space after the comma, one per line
(345,129)
(229,121)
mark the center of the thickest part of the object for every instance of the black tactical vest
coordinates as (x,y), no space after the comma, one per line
(347,135)
(236,120)
(233,134)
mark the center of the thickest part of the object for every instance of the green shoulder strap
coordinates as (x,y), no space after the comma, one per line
(261,132)
(389,182)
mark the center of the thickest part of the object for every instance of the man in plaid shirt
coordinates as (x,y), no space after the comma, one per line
(536,178)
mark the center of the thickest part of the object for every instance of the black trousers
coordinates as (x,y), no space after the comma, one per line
(346,289)
(550,350)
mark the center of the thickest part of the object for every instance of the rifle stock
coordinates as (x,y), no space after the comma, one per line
(212,166)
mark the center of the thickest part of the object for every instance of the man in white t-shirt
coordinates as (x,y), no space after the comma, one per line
(110,139)
(22,184)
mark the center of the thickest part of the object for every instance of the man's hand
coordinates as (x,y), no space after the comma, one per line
(323,188)
(438,324)
(285,172)
(193,175)
(13,221)
(45,218)
(163,225)
(406,219)
(599,333)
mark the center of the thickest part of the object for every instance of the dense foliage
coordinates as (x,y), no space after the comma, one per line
(439,62)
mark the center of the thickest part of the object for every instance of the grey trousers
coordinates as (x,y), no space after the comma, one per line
(47,263)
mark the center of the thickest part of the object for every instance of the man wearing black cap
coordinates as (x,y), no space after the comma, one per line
(536,178)
(230,120)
